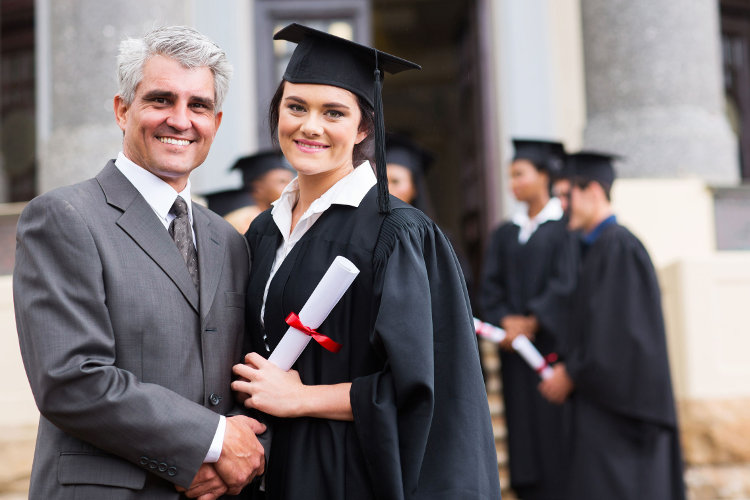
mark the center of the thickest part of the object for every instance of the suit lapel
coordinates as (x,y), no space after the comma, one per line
(210,257)
(143,226)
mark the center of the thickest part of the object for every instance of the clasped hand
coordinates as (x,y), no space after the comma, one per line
(515,325)
(242,458)
(558,387)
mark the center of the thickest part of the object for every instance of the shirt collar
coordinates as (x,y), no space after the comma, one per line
(349,190)
(528,226)
(551,211)
(590,238)
(159,195)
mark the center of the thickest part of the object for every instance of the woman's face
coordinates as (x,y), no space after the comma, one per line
(318,127)
(400,182)
(526,181)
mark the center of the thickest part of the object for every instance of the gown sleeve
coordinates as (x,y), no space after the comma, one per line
(493,294)
(423,421)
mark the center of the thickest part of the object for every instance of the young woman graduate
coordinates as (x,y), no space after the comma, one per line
(401,410)
(528,278)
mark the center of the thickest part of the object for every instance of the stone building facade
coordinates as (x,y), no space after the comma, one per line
(661,83)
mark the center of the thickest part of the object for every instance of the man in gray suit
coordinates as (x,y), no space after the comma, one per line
(130,300)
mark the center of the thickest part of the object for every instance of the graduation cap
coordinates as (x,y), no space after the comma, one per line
(322,58)
(592,166)
(546,155)
(224,202)
(256,165)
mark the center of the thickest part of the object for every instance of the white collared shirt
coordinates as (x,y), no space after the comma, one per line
(528,226)
(349,190)
(161,196)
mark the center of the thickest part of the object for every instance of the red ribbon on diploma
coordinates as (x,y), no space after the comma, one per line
(327,343)
(548,360)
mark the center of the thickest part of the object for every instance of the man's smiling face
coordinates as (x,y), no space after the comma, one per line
(171,123)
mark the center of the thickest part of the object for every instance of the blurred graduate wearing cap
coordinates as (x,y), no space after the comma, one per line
(401,410)
(625,436)
(407,164)
(265,174)
(528,277)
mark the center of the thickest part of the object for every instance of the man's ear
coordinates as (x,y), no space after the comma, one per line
(121,111)
(217,120)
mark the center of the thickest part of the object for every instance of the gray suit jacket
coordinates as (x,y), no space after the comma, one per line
(129,364)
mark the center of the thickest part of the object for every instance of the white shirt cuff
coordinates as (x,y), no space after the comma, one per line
(214,452)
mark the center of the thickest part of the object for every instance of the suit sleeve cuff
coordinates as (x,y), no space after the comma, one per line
(214,452)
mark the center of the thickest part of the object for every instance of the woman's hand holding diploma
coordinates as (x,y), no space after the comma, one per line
(281,393)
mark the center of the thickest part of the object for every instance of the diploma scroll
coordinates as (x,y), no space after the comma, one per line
(521,344)
(335,282)
(488,331)
(531,355)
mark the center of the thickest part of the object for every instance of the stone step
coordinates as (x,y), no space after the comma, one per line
(499,429)
(495,402)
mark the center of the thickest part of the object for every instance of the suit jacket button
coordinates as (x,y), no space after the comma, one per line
(143,461)
(153,464)
(162,467)
(214,399)
(172,471)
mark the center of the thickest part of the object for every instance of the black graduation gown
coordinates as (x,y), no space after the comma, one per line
(421,425)
(538,278)
(625,437)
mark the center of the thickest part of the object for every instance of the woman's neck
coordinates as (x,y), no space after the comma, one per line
(312,187)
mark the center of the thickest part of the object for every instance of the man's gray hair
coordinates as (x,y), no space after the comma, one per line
(184,44)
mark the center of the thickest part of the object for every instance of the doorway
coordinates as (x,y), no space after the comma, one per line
(439,108)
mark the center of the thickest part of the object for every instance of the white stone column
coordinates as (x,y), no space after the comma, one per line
(654,89)
(77,45)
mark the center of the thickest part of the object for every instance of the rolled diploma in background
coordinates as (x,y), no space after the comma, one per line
(488,331)
(335,282)
(521,344)
(531,355)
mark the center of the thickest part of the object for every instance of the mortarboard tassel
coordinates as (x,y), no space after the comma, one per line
(384,202)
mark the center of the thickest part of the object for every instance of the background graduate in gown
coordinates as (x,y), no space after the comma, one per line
(264,175)
(625,437)
(401,410)
(528,277)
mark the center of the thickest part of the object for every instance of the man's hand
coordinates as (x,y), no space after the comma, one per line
(242,456)
(206,485)
(558,387)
